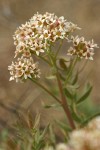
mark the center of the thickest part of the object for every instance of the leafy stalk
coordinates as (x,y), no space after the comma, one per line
(64,103)
(63,99)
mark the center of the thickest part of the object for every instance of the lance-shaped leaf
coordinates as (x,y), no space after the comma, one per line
(51,105)
(70,65)
(50,77)
(89,118)
(62,64)
(62,77)
(52,134)
(85,95)
(68,93)
(37,121)
(75,79)
(63,126)
(44,132)
(75,115)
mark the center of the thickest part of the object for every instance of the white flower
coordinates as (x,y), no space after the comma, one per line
(62,146)
(23,69)
(94,124)
(82,48)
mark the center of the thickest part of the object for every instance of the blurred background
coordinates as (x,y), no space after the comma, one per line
(84,13)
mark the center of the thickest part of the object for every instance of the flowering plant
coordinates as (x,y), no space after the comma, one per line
(37,38)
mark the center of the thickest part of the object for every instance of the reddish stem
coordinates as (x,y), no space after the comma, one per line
(64,103)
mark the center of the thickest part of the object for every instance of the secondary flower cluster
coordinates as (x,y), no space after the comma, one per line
(87,138)
(37,35)
(82,48)
(60,146)
(24,68)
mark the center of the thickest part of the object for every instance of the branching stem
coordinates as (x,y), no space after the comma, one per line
(45,89)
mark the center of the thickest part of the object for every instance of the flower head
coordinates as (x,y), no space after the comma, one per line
(87,138)
(24,68)
(82,48)
(62,146)
(39,32)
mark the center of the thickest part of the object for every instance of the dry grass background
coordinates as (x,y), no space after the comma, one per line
(85,13)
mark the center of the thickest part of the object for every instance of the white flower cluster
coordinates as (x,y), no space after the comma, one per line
(24,68)
(37,35)
(87,138)
(82,48)
(60,146)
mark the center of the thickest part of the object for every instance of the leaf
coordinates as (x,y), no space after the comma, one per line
(89,118)
(85,95)
(37,121)
(44,132)
(75,79)
(52,134)
(64,126)
(75,96)
(4,135)
(76,86)
(74,113)
(50,106)
(62,77)
(68,94)
(53,70)
(70,65)
(62,64)
(30,119)
(51,77)
(75,117)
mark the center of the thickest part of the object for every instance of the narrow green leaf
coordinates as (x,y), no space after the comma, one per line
(85,95)
(44,132)
(76,86)
(62,77)
(74,113)
(75,79)
(64,126)
(50,106)
(37,121)
(75,96)
(70,65)
(50,77)
(52,135)
(89,118)
(68,94)
(62,64)
(53,70)
(75,117)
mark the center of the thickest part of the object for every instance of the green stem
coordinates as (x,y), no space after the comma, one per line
(70,72)
(45,60)
(59,48)
(45,89)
